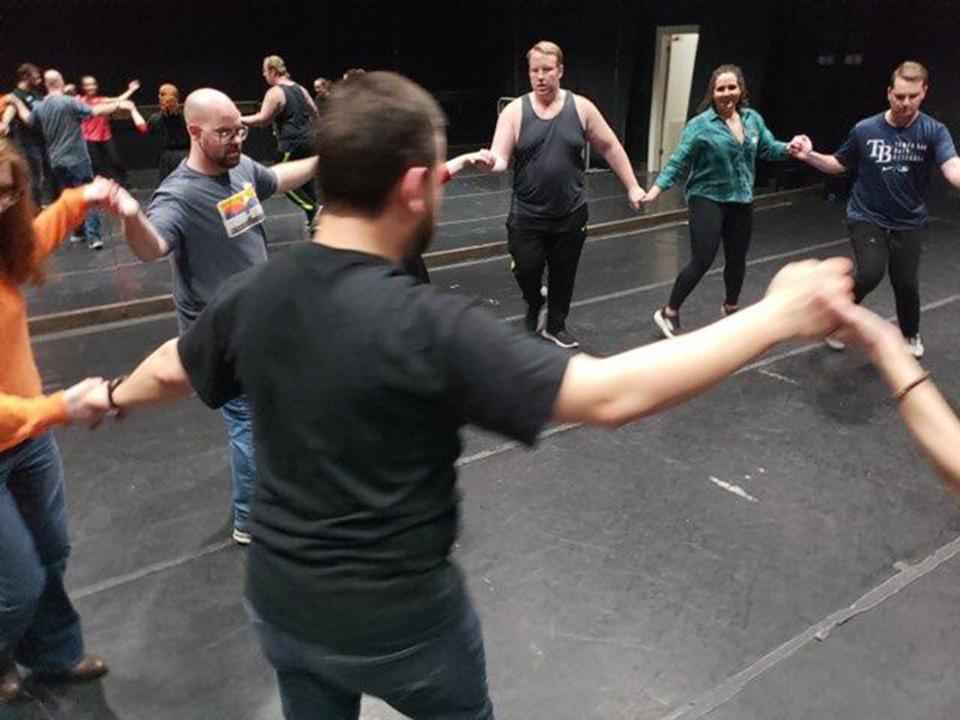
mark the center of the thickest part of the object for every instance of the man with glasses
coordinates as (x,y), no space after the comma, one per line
(208,216)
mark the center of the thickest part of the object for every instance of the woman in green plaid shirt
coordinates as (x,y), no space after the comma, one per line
(719,149)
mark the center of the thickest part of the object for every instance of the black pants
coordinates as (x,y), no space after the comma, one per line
(710,223)
(874,250)
(106,161)
(34,153)
(305,196)
(556,248)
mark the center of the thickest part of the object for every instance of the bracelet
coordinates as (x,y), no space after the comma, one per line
(111,386)
(902,392)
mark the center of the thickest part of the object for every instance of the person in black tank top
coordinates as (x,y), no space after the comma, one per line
(290,109)
(546,133)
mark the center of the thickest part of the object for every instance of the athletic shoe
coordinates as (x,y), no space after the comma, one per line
(728,310)
(914,346)
(241,537)
(560,338)
(77,239)
(95,244)
(834,343)
(669,326)
(536,320)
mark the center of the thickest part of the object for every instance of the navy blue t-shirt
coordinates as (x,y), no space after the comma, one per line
(892,167)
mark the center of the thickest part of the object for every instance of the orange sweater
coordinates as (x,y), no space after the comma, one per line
(24,411)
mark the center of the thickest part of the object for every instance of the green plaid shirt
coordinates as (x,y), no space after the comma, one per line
(721,169)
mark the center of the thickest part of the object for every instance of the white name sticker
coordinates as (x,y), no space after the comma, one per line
(241,211)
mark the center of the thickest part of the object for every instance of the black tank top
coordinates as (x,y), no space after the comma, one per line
(292,123)
(548,164)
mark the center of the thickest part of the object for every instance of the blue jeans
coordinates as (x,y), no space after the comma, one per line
(238,419)
(441,679)
(39,626)
(75,176)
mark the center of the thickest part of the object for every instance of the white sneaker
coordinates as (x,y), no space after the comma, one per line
(834,343)
(241,537)
(914,346)
(669,326)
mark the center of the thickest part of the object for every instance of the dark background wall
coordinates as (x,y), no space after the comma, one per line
(470,52)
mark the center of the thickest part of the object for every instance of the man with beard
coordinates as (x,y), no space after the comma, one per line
(208,215)
(361,380)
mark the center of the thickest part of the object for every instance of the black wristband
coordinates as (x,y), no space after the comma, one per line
(111,386)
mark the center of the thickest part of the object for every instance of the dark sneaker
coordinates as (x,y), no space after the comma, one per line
(728,310)
(669,326)
(560,338)
(914,346)
(95,244)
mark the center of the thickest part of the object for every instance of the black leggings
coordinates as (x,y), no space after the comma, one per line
(711,222)
(305,196)
(876,249)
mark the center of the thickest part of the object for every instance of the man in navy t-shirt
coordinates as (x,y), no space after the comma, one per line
(891,154)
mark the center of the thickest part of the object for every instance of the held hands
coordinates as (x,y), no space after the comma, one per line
(636,195)
(652,194)
(133,86)
(811,298)
(87,402)
(481,160)
(800,147)
(110,196)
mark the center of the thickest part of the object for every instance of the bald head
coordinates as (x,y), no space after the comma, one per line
(53,80)
(207,105)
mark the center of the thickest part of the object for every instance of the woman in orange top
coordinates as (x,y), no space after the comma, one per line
(39,627)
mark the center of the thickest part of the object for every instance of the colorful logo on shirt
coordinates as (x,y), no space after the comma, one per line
(241,211)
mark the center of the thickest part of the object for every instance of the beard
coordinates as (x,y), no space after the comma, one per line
(423,236)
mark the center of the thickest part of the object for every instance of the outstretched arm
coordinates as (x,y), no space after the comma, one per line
(505,136)
(951,171)
(802,301)
(270,107)
(602,138)
(933,425)
(294,173)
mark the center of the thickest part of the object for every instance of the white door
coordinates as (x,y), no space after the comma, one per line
(672,78)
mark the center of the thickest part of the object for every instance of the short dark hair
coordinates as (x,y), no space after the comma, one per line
(26,71)
(744,100)
(377,126)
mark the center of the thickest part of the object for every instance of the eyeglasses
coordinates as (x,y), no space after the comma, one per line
(225,135)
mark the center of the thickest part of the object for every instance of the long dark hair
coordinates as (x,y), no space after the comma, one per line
(18,260)
(711,84)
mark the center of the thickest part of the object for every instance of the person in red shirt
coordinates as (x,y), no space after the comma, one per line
(98,134)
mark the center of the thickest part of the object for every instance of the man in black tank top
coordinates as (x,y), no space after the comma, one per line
(546,132)
(290,109)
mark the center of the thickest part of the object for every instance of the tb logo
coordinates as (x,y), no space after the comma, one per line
(880,151)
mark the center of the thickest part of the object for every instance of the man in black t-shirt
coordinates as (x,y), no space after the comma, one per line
(29,91)
(360,380)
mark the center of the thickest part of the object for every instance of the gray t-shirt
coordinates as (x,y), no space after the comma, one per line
(59,117)
(214,225)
